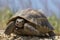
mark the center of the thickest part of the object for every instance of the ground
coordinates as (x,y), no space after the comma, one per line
(25,38)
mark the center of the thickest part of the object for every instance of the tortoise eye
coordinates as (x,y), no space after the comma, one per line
(16,21)
(22,21)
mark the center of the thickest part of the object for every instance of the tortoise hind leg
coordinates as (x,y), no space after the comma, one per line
(10,28)
(52,35)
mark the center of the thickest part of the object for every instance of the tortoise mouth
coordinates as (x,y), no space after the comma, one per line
(18,25)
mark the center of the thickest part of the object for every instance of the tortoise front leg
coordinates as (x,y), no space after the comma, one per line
(10,28)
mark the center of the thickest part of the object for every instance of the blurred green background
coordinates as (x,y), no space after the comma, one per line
(7,13)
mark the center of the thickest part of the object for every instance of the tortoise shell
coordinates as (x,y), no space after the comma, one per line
(36,17)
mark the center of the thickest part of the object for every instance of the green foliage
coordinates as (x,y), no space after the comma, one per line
(55,23)
(4,17)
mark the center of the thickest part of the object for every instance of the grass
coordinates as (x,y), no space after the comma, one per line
(55,23)
(4,17)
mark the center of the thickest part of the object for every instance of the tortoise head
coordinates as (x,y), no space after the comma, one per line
(19,22)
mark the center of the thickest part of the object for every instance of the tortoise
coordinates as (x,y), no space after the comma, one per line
(29,22)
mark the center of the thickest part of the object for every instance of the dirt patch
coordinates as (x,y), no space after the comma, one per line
(4,37)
